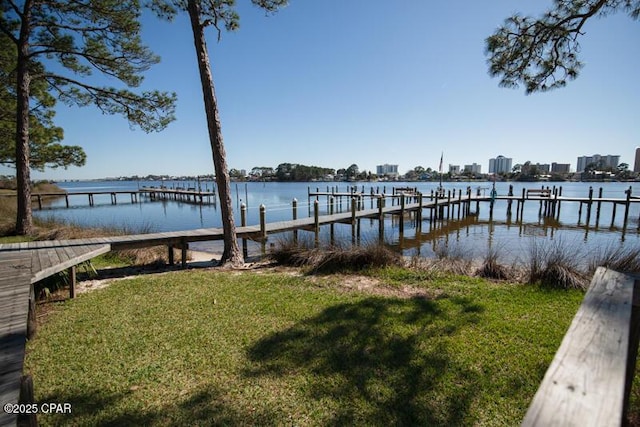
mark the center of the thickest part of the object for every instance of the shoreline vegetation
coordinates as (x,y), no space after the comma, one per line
(313,336)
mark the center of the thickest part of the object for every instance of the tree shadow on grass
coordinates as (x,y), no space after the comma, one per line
(379,361)
(206,406)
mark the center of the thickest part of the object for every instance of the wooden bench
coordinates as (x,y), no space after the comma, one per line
(589,379)
(540,192)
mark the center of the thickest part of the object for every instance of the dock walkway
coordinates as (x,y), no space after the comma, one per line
(19,270)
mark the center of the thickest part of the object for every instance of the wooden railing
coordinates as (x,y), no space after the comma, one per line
(589,379)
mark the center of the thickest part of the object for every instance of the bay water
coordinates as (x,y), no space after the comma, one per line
(474,235)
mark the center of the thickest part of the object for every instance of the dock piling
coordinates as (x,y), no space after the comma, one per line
(263,227)
(243,223)
(316,222)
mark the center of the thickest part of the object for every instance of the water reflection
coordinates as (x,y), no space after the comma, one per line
(592,227)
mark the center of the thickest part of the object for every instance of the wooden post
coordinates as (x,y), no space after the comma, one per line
(598,207)
(540,209)
(626,208)
(478,202)
(26,397)
(184,246)
(316,221)
(331,226)
(613,213)
(66,199)
(491,203)
(72,281)
(449,204)
(353,220)
(171,258)
(39,202)
(380,219)
(580,213)
(294,215)
(243,223)
(509,202)
(31,316)
(589,206)
(401,223)
(559,202)
(263,228)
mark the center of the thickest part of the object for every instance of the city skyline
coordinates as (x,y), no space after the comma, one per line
(394,85)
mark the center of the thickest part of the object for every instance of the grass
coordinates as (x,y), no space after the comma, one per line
(268,348)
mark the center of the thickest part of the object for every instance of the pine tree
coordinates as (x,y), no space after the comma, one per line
(78,37)
(216,13)
(542,53)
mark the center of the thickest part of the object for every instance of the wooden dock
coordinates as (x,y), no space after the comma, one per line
(190,195)
(23,264)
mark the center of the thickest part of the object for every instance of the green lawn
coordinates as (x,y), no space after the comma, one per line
(211,347)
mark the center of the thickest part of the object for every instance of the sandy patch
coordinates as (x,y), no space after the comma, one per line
(199,259)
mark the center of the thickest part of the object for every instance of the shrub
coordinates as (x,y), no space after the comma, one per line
(491,268)
(333,259)
(616,257)
(555,265)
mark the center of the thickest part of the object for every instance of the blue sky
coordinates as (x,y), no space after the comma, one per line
(335,82)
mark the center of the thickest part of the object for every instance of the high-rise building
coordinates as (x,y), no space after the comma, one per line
(560,167)
(454,169)
(500,164)
(386,169)
(599,161)
(473,168)
(636,165)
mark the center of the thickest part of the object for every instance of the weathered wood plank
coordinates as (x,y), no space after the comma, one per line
(585,384)
(78,255)
(14,299)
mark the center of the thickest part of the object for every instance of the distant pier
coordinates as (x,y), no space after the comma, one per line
(188,195)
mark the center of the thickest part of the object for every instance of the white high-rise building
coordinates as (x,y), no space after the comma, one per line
(609,160)
(391,170)
(500,164)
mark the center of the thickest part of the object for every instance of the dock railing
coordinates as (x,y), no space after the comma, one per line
(589,380)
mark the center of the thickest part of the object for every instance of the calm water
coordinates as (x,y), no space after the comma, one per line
(474,234)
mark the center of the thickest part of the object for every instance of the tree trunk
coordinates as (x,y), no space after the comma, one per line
(232,254)
(24,220)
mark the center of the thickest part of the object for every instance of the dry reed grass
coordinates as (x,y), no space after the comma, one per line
(555,264)
(620,258)
(491,268)
(334,258)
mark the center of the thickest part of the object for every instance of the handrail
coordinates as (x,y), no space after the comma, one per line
(589,379)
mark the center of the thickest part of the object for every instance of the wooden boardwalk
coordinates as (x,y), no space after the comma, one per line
(14,309)
(19,270)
